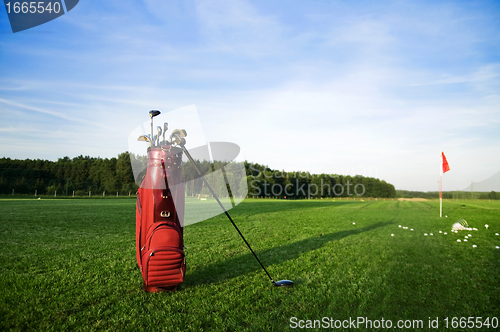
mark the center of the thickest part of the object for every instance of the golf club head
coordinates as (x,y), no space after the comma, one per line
(165,128)
(144,138)
(154,113)
(283,283)
(177,137)
(180,132)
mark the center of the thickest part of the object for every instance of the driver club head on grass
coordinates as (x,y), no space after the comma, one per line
(283,283)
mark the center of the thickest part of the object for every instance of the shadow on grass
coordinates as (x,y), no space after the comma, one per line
(263,206)
(244,264)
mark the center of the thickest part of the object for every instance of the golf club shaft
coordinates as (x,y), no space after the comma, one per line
(223,209)
(151,143)
(152,114)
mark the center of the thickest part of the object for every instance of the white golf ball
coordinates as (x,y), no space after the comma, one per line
(497,247)
(446,216)
(465,240)
(412,229)
(466,237)
(486,226)
(459,240)
(470,235)
(440,232)
(354,223)
(432,234)
(392,234)
(496,234)
(475,228)
(445,233)
(425,234)
(474,246)
(399,226)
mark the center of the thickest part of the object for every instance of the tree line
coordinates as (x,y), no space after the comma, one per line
(458,194)
(83,175)
(65,176)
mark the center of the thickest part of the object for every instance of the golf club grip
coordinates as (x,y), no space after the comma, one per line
(223,209)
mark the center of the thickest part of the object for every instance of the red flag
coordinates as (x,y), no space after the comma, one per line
(446,167)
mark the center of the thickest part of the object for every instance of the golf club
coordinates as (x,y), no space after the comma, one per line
(152,114)
(165,128)
(158,128)
(180,141)
(144,138)
(176,135)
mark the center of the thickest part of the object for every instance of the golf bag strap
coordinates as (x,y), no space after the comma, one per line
(138,229)
(166,192)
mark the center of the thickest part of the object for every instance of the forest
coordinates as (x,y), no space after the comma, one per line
(458,194)
(90,176)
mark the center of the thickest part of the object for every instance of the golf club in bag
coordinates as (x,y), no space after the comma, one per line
(159,231)
(177,139)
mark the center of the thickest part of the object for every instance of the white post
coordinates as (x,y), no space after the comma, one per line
(441,199)
(441,188)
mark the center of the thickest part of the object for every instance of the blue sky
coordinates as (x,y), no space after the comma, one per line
(348,87)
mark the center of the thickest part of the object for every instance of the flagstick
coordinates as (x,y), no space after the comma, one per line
(441,195)
(445,167)
(441,189)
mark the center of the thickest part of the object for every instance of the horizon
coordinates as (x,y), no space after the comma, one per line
(375,89)
(485,183)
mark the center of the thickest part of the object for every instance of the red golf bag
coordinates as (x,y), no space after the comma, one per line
(159,220)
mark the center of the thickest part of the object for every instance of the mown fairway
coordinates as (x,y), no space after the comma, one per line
(70,265)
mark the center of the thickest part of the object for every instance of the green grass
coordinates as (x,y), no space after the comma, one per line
(70,265)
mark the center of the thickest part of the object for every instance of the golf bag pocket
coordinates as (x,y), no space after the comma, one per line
(164,234)
(163,268)
(163,260)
